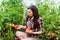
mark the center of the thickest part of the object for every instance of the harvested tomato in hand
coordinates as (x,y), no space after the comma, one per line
(29,30)
(15,26)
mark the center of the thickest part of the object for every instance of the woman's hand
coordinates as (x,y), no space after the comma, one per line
(20,26)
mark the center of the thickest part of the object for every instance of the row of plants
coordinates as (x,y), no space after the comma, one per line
(11,12)
(51,18)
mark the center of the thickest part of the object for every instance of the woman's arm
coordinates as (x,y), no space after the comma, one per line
(20,26)
(17,26)
(39,32)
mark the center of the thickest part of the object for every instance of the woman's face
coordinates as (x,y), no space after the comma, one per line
(30,13)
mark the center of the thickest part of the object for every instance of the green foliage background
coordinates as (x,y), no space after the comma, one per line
(51,17)
(12,11)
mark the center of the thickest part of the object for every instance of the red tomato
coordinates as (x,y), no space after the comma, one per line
(28,29)
(16,26)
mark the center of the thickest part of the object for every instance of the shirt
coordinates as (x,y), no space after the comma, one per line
(30,23)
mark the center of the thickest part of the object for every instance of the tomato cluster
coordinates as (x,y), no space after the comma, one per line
(28,29)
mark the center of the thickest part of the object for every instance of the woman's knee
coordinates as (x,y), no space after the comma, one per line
(17,33)
(20,34)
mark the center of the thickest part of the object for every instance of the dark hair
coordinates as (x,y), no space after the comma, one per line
(35,14)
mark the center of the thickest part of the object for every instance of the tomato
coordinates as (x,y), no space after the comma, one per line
(28,28)
(16,26)
(51,34)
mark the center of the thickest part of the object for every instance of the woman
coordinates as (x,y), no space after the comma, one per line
(34,22)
